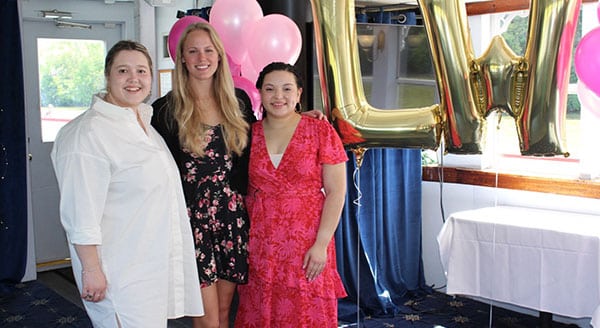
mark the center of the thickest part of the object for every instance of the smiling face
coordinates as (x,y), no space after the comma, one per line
(200,55)
(280,93)
(129,80)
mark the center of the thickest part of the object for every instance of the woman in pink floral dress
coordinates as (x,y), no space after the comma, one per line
(297,185)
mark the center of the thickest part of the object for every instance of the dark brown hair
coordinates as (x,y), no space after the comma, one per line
(278,66)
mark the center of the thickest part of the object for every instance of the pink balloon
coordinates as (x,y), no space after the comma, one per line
(248,71)
(230,18)
(587,60)
(235,68)
(243,83)
(589,100)
(274,37)
(176,31)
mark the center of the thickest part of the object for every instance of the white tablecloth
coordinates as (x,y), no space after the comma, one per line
(539,259)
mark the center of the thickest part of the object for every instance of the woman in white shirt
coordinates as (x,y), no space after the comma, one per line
(122,204)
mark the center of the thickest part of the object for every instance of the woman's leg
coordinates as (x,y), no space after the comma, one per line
(226,290)
(217,305)
(210,299)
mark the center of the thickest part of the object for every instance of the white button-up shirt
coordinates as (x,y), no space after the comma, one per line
(120,189)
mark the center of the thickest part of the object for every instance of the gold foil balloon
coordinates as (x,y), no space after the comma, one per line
(451,49)
(541,123)
(358,123)
(531,88)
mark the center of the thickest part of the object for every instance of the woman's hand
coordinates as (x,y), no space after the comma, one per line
(93,280)
(314,262)
(315,113)
(93,285)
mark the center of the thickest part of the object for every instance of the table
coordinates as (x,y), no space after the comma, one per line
(539,259)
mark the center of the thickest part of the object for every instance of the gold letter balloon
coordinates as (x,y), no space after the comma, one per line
(531,88)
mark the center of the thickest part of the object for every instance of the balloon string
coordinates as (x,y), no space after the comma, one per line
(441,178)
(495,152)
(356,180)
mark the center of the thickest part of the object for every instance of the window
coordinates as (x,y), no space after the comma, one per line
(70,71)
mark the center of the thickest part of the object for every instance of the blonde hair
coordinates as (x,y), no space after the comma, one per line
(191,129)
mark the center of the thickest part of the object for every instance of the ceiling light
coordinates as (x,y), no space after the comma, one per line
(56,14)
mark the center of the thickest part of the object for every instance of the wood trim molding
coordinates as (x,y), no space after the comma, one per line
(577,188)
(498,6)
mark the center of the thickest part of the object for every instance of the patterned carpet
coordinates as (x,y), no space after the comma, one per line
(438,310)
(33,305)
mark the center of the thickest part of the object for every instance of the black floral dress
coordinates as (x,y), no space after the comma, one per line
(217,214)
(214,186)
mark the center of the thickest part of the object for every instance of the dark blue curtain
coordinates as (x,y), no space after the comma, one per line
(13,179)
(378,240)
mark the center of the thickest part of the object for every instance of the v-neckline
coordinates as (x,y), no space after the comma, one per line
(287,147)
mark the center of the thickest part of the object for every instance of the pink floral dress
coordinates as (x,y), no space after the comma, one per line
(284,205)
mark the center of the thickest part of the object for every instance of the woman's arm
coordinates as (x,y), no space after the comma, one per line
(93,281)
(334,181)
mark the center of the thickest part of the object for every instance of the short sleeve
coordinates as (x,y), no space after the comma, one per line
(331,149)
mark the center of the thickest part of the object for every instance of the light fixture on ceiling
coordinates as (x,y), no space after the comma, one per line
(56,14)
(60,23)
(161,3)
(367,41)
(365,36)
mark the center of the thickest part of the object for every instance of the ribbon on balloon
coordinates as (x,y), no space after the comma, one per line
(531,88)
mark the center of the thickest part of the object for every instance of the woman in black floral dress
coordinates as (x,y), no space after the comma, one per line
(203,122)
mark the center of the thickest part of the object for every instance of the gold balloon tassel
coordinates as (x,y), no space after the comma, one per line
(357,122)
(359,152)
